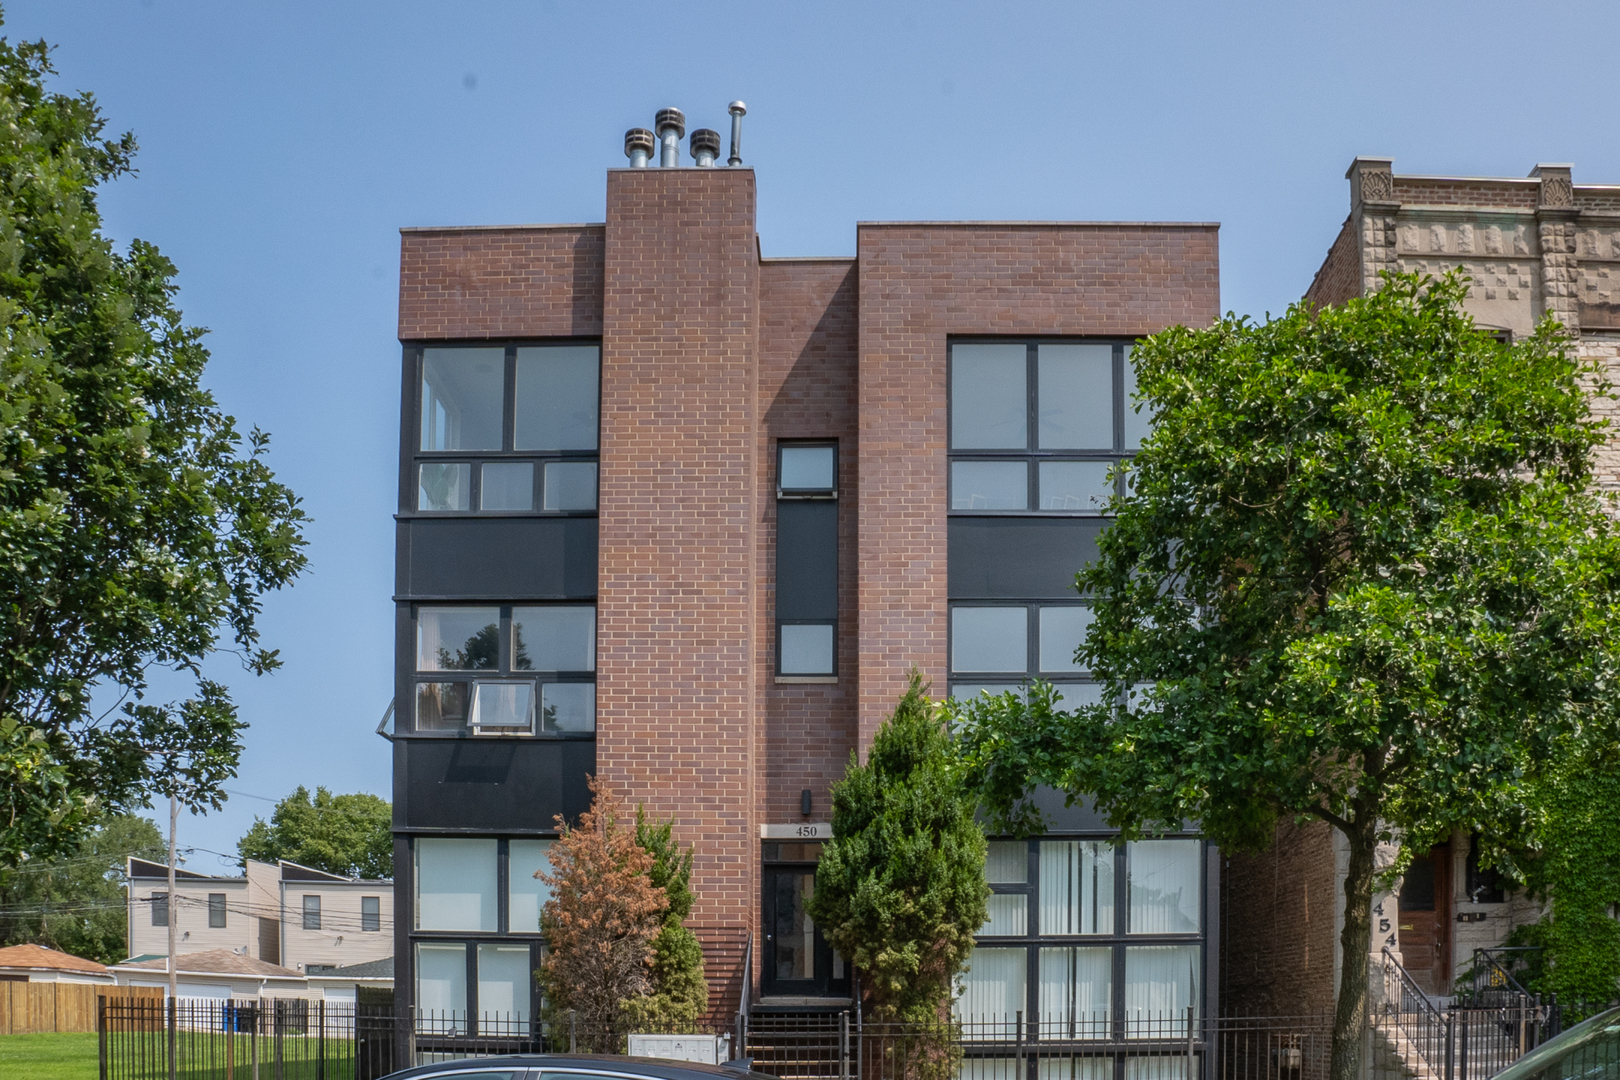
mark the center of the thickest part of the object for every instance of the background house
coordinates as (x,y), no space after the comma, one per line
(1537,246)
(36,963)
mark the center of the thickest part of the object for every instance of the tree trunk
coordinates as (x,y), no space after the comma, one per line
(1350,1015)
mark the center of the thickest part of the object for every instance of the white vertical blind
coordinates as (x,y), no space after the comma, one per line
(1076,1000)
(1077,887)
(1164,881)
(1160,982)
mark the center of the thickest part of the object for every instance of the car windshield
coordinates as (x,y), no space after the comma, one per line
(1588,1051)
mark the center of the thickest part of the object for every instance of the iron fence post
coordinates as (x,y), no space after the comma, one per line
(1192,1073)
(1462,1044)
(320,1069)
(572,1016)
(1022,1068)
(1447,1029)
(843,1045)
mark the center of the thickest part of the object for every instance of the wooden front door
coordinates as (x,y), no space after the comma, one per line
(1425,920)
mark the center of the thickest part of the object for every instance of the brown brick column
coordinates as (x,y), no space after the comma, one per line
(675,630)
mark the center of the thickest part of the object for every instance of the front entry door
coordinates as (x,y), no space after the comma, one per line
(1425,923)
(797,961)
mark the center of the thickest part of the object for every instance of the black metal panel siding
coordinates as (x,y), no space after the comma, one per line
(806,559)
(497,558)
(1018,558)
(510,786)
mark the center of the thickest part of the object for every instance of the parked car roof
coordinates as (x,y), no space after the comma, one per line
(656,1068)
(1589,1049)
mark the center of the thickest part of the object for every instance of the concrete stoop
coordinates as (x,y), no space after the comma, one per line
(1395,1058)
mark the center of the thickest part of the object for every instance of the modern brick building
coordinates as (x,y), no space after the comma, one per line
(685,517)
(1534,247)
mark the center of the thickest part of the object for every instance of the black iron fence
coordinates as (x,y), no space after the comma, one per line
(295,1039)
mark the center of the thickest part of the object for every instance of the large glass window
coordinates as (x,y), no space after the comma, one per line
(527,894)
(461,398)
(441,986)
(1077,887)
(1164,879)
(993,990)
(998,647)
(504,981)
(1037,427)
(456,883)
(540,661)
(1076,992)
(1161,981)
(527,417)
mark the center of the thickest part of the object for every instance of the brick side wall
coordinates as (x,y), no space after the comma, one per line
(807,390)
(1339,278)
(1278,925)
(919,284)
(676,609)
(1474,193)
(523,281)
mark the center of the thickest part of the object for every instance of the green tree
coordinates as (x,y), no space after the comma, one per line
(134,529)
(75,902)
(679,993)
(900,888)
(1574,865)
(1363,578)
(350,835)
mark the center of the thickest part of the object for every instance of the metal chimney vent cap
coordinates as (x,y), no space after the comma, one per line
(669,119)
(705,146)
(638,146)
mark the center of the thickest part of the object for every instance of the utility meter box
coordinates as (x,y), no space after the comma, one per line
(708,1049)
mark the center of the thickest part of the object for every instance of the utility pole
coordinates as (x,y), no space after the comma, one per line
(174,919)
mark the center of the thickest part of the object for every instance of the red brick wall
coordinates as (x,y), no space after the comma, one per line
(517,281)
(676,608)
(1449,191)
(1278,919)
(1339,279)
(807,390)
(922,282)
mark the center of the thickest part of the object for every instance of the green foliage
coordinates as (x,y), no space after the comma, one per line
(134,530)
(350,835)
(75,902)
(1575,866)
(1363,577)
(679,993)
(900,888)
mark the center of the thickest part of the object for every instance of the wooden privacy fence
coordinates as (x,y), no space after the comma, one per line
(35,1008)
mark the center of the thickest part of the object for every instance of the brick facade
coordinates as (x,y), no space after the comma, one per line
(1280,935)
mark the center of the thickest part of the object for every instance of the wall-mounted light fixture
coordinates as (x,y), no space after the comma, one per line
(804,802)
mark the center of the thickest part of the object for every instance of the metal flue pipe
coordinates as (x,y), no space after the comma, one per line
(738,110)
(670,125)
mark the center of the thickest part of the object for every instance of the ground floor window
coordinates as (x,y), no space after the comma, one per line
(475,987)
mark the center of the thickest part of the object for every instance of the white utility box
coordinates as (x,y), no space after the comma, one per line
(708,1049)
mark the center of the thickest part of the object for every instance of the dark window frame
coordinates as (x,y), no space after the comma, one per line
(413,456)
(503,672)
(828,495)
(806,493)
(1118,940)
(1032,646)
(216,911)
(160,908)
(1032,453)
(370,920)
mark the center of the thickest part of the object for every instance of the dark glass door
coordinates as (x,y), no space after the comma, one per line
(797,961)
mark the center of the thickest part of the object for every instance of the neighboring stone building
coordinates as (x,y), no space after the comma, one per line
(1536,247)
(685,517)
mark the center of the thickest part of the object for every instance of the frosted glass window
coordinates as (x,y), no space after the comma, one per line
(1076,1068)
(1007,862)
(557,402)
(1076,987)
(443,486)
(570,485)
(1008,915)
(558,637)
(989,485)
(807,468)
(507,485)
(568,707)
(976,691)
(503,706)
(1158,1067)
(441,987)
(1160,982)
(505,974)
(1138,425)
(457,638)
(989,406)
(989,639)
(1062,631)
(527,894)
(1076,389)
(1076,486)
(441,706)
(993,988)
(1164,881)
(1077,887)
(462,391)
(455,884)
(806,650)
(1074,695)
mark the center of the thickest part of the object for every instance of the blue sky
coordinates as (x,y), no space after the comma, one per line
(284,144)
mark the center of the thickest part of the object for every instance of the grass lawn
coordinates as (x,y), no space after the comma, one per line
(48,1057)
